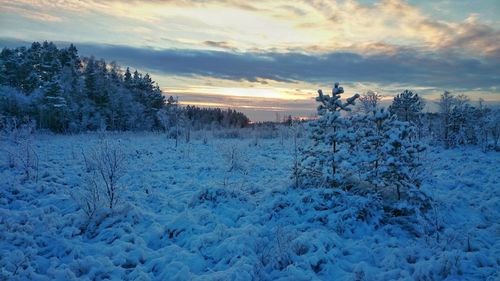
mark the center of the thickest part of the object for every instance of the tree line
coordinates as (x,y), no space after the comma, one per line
(66,93)
(457,121)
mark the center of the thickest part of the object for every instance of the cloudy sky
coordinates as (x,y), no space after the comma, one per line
(268,57)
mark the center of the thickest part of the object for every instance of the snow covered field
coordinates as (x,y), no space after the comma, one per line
(225,210)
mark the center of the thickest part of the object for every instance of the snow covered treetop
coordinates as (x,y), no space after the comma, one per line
(333,103)
(337,90)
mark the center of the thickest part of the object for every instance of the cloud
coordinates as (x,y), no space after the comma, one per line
(221,45)
(29,12)
(446,70)
(402,66)
(42,17)
(310,26)
(475,36)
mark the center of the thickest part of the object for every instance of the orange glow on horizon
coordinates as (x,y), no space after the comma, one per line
(232,106)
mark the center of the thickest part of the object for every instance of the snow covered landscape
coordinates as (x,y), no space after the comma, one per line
(224,209)
(105,178)
(216,140)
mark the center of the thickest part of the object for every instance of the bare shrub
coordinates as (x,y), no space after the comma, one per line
(233,164)
(283,249)
(296,130)
(88,199)
(107,164)
(28,158)
(20,150)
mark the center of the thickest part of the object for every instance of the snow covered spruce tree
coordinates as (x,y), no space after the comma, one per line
(324,160)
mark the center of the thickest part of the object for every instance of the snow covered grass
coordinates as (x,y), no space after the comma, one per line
(225,209)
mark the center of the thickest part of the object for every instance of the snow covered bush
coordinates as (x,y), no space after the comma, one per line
(326,156)
(13,103)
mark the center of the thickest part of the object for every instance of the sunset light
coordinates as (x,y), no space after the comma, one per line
(390,45)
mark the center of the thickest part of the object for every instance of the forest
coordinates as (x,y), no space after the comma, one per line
(65,93)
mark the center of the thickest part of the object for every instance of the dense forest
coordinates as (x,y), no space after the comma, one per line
(66,93)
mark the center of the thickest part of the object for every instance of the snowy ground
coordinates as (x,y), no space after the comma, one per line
(184,217)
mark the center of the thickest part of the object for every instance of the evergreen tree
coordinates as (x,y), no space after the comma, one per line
(127,78)
(324,158)
(407,106)
(372,133)
(445,106)
(398,157)
(388,153)
(392,153)
(54,108)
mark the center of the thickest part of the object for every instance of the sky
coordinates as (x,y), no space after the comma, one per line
(268,58)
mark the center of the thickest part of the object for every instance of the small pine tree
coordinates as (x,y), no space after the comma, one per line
(446,103)
(324,158)
(386,152)
(400,155)
(406,106)
(372,136)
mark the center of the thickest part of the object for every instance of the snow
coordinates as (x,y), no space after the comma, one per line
(186,215)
